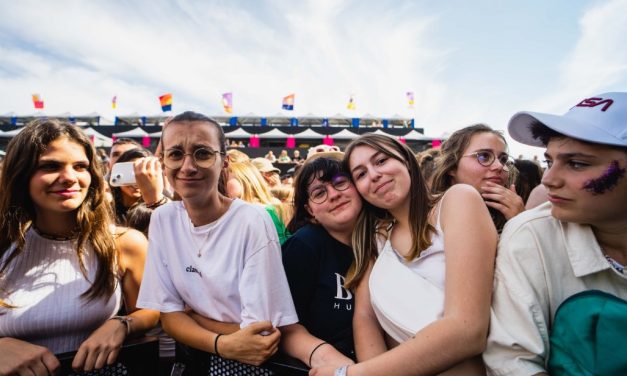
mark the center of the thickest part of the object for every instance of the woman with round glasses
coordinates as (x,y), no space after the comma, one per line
(477,155)
(316,259)
(217,256)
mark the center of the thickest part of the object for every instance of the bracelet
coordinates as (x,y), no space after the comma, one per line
(341,371)
(215,345)
(126,320)
(314,350)
(155,205)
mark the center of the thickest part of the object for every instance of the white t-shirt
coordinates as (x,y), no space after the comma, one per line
(238,277)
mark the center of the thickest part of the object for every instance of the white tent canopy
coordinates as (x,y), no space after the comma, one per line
(344,134)
(11,133)
(274,133)
(238,133)
(137,132)
(414,135)
(308,134)
(99,140)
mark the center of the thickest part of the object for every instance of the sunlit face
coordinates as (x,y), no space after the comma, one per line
(61,180)
(189,181)
(118,150)
(340,209)
(380,179)
(470,171)
(571,166)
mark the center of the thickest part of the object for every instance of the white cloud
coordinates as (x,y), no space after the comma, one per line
(77,55)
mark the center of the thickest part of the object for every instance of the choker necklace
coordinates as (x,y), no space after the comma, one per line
(72,236)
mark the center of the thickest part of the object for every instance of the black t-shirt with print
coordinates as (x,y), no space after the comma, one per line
(316,264)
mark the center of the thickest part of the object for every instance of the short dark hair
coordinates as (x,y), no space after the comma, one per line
(133,154)
(125,140)
(541,132)
(322,168)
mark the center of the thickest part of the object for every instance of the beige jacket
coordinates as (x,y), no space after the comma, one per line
(540,263)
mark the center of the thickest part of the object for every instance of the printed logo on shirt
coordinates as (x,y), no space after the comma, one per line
(191,269)
(342,294)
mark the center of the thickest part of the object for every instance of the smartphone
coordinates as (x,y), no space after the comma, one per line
(122,173)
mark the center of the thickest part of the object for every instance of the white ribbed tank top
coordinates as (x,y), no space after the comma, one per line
(45,283)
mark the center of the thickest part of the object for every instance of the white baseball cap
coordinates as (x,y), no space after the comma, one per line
(601,119)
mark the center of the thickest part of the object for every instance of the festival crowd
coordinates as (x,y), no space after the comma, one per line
(374,260)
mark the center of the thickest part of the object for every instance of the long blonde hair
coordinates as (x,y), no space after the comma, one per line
(421,202)
(254,187)
(17,210)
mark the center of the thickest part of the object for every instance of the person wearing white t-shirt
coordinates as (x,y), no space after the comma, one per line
(217,256)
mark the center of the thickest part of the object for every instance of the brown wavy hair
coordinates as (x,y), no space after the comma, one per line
(17,210)
(452,151)
(364,239)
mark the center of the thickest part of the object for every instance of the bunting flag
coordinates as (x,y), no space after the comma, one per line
(351,103)
(114,102)
(410,99)
(38,102)
(288,102)
(227,102)
(166,102)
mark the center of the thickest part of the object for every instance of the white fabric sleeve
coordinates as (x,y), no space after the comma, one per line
(518,341)
(264,291)
(157,290)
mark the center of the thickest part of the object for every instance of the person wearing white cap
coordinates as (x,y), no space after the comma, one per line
(559,303)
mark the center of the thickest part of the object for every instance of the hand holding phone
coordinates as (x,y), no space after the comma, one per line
(122,173)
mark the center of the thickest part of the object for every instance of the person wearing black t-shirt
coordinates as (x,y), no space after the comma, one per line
(316,259)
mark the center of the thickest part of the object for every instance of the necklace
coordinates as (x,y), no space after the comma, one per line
(73,235)
(204,240)
(619,268)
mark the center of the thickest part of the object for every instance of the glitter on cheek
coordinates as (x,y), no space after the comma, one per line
(605,182)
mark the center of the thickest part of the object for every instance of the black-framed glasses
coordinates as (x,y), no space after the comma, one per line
(487,157)
(202,158)
(319,194)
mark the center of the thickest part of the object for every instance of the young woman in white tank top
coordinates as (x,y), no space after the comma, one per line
(422,305)
(62,274)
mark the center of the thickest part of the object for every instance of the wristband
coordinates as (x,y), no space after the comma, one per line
(215,345)
(160,202)
(126,320)
(341,371)
(314,350)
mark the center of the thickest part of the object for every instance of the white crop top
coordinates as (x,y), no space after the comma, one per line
(406,295)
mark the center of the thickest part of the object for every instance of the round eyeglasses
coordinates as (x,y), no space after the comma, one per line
(201,157)
(319,194)
(487,157)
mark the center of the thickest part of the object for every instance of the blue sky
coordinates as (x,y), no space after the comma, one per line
(467,61)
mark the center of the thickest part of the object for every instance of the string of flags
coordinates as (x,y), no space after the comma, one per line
(287,103)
